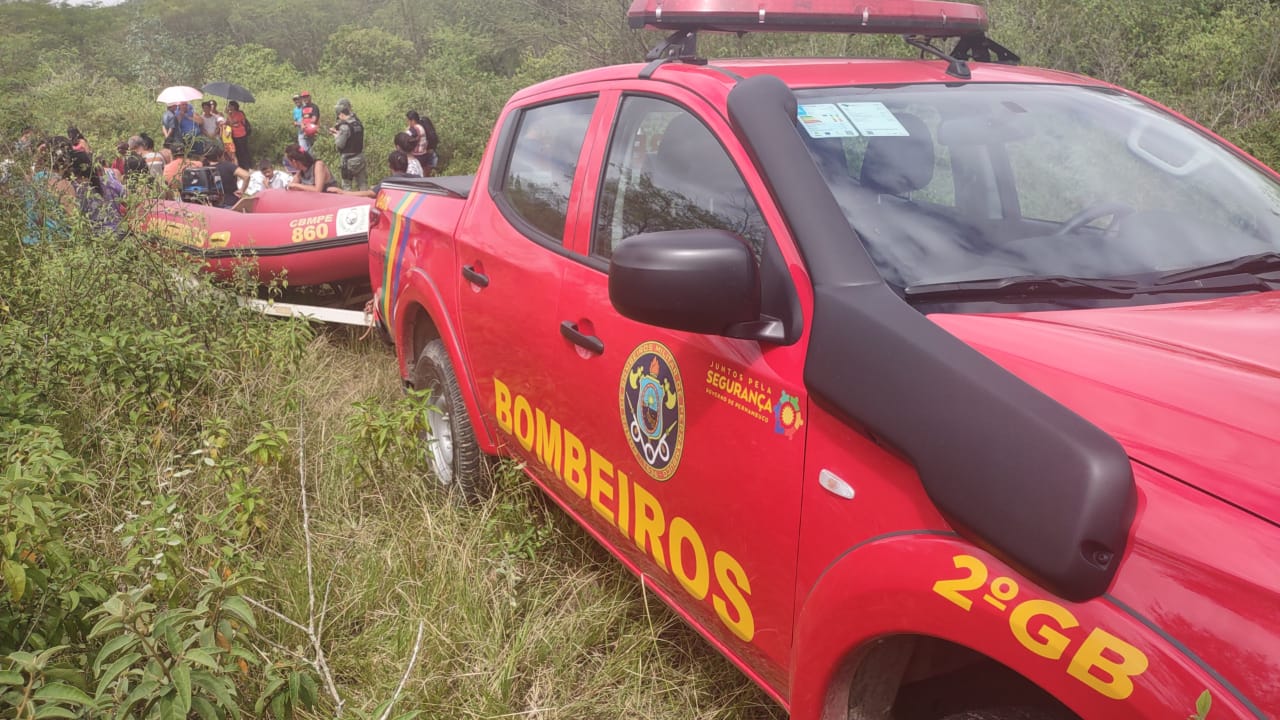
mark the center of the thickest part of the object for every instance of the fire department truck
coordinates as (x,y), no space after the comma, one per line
(922,388)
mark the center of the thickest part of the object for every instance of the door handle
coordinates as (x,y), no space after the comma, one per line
(470,273)
(588,342)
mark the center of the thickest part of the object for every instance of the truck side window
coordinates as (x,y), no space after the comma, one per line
(544,158)
(666,171)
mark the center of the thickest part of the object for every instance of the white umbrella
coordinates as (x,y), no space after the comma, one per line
(178,94)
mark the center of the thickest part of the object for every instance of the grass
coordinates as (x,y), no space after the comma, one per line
(524,615)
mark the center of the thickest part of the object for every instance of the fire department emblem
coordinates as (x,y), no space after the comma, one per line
(652,407)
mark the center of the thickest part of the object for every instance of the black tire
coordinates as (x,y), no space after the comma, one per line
(1012,713)
(453,455)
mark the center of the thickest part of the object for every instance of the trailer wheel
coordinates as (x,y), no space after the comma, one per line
(452,452)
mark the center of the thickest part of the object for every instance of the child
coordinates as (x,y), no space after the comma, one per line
(405,143)
(228,143)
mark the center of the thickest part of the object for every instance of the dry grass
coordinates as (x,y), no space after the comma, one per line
(568,634)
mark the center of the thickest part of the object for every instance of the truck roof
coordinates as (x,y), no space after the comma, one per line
(807,73)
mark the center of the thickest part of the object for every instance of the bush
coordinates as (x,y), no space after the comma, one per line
(257,68)
(121,566)
(367,55)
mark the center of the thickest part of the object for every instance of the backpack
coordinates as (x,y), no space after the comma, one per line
(248,127)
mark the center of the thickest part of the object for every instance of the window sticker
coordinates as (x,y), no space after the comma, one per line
(873,119)
(824,120)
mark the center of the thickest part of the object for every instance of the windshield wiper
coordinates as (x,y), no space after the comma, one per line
(1040,286)
(1251,264)
(1061,286)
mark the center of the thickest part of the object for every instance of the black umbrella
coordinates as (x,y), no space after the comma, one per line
(230,91)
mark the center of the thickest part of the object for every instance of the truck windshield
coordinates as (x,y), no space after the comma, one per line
(949,185)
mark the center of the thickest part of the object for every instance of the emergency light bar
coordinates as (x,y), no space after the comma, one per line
(930,18)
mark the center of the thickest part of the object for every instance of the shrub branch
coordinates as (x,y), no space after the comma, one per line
(313,632)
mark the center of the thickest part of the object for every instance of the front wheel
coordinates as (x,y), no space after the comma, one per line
(453,453)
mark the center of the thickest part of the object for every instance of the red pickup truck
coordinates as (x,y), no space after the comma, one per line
(921,388)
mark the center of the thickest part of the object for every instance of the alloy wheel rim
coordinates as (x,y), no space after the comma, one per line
(440,441)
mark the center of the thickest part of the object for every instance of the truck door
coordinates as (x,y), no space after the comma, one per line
(512,263)
(695,443)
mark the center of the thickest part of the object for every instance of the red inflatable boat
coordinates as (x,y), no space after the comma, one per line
(310,238)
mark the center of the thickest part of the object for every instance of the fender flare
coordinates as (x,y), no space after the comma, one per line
(419,290)
(885,586)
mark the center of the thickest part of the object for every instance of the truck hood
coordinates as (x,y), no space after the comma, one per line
(1191,389)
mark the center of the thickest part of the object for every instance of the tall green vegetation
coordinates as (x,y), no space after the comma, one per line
(208,513)
(125,549)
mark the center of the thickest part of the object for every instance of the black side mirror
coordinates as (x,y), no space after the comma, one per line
(702,281)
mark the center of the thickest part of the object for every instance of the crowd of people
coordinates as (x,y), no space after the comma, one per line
(301,169)
(418,141)
(205,157)
(181,127)
(66,183)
